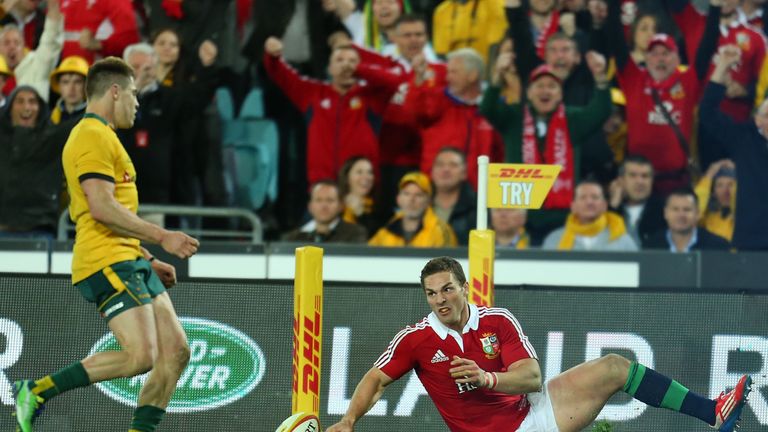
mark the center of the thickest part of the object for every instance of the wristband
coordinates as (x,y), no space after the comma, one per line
(491,380)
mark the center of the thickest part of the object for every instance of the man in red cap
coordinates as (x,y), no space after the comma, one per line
(545,130)
(660,92)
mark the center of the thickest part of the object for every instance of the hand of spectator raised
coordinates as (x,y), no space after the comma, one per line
(420,67)
(54,10)
(568,23)
(274,47)
(727,56)
(513,3)
(597,65)
(207,52)
(599,11)
(88,41)
(7,5)
(329,5)
(716,3)
(715,167)
(616,193)
(505,62)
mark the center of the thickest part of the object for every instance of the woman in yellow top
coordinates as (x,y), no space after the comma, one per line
(717,198)
(356,186)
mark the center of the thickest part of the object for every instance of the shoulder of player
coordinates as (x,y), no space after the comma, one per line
(416,330)
(497,315)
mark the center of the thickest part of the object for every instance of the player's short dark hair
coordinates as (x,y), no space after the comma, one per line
(410,18)
(104,73)
(443,264)
(590,181)
(684,191)
(635,159)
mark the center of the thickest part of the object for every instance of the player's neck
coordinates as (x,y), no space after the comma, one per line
(101,109)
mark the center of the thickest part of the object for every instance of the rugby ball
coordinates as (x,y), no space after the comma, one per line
(300,422)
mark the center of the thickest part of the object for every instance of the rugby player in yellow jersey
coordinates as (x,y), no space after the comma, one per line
(109,266)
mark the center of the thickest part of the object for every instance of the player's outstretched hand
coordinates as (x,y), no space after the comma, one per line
(165,271)
(179,244)
(341,427)
(467,371)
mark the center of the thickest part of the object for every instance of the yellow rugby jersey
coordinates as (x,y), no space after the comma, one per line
(94,151)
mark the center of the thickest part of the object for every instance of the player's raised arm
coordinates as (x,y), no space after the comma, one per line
(366,394)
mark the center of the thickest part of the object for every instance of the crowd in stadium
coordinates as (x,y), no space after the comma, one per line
(361,122)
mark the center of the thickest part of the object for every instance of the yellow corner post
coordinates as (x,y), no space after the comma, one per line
(307,329)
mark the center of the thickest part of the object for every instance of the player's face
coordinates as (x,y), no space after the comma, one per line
(166,46)
(447,299)
(386,12)
(411,38)
(126,105)
(588,203)
(562,56)
(324,204)
(342,67)
(25,109)
(661,62)
(413,201)
(723,190)
(681,213)
(361,177)
(448,171)
(638,181)
(545,94)
(72,88)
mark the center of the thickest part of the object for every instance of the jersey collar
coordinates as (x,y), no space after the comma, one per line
(443,331)
(97,117)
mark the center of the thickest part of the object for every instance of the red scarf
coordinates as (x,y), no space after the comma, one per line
(558,150)
(549,29)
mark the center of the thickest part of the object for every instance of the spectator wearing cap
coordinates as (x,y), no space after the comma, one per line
(545,130)
(658,92)
(33,68)
(98,28)
(415,224)
(590,226)
(479,25)
(747,146)
(68,80)
(448,115)
(683,234)
(327,226)
(716,193)
(5,75)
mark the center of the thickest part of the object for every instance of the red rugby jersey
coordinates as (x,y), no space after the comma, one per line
(493,338)
(648,132)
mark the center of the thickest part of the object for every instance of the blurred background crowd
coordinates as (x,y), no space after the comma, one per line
(361,121)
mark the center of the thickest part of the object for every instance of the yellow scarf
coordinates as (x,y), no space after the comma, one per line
(614,222)
(524,240)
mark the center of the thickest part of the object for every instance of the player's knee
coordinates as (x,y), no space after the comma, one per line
(617,365)
(142,360)
(182,355)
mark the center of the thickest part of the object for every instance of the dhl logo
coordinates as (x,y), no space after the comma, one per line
(521,173)
(306,354)
(482,293)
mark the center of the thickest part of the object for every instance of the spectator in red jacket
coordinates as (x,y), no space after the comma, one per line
(341,115)
(448,115)
(98,28)
(400,140)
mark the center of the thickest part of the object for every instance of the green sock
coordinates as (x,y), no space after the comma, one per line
(68,378)
(146,418)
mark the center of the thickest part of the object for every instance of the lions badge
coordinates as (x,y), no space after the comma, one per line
(490,343)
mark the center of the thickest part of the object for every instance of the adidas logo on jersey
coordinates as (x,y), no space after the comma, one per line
(439,357)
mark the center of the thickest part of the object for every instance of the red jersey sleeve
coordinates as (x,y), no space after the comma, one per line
(300,90)
(380,78)
(125,30)
(630,76)
(397,360)
(514,343)
(372,58)
(425,102)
